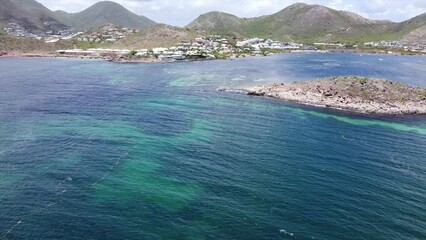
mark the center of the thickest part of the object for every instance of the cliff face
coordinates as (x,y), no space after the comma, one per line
(359,94)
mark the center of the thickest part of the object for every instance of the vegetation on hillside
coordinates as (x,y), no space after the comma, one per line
(36,18)
(308,24)
(103,13)
(28,45)
(299,22)
(30,14)
(160,35)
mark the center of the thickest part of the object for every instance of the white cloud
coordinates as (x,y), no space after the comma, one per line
(181,12)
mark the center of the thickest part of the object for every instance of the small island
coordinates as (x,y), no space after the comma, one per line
(351,93)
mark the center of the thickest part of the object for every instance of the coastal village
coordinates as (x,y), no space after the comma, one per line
(200,48)
(220,47)
(107,34)
(410,47)
(50,36)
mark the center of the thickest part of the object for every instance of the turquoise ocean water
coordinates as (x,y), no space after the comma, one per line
(97,150)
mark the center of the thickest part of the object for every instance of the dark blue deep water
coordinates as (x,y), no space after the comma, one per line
(97,150)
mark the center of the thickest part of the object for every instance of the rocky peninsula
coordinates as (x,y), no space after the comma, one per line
(351,93)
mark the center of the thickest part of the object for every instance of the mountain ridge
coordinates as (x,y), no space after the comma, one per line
(299,22)
(34,16)
(30,14)
(102,13)
(309,23)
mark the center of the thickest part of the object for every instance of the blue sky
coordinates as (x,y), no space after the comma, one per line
(181,12)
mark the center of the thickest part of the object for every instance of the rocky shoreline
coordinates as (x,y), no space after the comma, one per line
(350,93)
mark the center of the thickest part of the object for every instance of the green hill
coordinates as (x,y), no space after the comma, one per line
(299,22)
(307,23)
(218,23)
(34,17)
(160,35)
(414,30)
(29,14)
(103,13)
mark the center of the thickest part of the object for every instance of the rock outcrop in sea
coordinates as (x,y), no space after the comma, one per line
(352,93)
